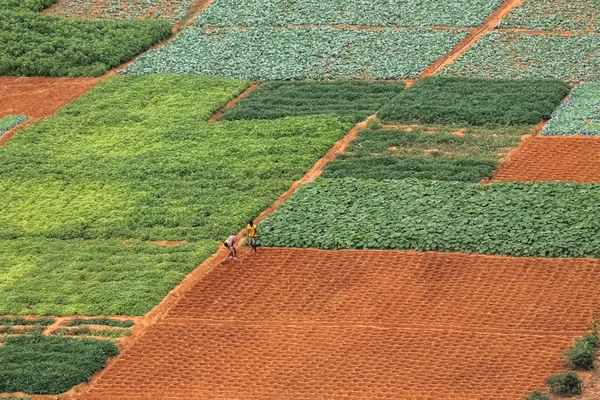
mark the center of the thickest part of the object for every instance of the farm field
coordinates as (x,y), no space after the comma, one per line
(426,200)
(348,322)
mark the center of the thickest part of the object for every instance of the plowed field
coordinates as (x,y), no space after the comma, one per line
(574,159)
(309,324)
(38,97)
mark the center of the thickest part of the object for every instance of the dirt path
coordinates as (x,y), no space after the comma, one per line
(474,35)
(309,324)
(560,158)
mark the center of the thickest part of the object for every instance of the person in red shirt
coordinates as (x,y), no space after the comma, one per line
(230,245)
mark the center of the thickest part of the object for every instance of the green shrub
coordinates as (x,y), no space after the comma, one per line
(565,384)
(50,365)
(42,321)
(537,395)
(122,323)
(35,44)
(591,339)
(25,5)
(476,101)
(277,99)
(374,124)
(583,353)
(552,219)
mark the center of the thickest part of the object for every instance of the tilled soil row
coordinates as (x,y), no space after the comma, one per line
(560,158)
(313,324)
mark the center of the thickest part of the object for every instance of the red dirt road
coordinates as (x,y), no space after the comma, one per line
(543,158)
(310,324)
(38,97)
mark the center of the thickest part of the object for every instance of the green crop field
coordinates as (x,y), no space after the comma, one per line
(170,10)
(555,15)
(580,113)
(318,53)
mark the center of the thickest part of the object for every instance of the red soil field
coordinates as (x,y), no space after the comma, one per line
(368,324)
(543,158)
(38,97)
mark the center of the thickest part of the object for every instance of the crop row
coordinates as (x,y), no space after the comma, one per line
(277,99)
(509,55)
(580,113)
(425,152)
(38,364)
(359,12)
(35,44)
(10,121)
(555,15)
(270,53)
(171,10)
(133,158)
(521,219)
(476,101)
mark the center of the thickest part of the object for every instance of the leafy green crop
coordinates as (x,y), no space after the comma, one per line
(510,55)
(34,44)
(123,323)
(26,321)
(134,158)
(50,365)
(10,121)
(580,113)
(358,12)
(25,5)
(87,331)
(476,101)
(271,53)
(511,218)
(171,10)
(281,99)
(425,152)
(555,15)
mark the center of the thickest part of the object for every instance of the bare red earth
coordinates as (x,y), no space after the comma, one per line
(38,97)
(543,158)
(310,324)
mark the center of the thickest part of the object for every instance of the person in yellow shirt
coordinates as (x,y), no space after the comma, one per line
(251,232)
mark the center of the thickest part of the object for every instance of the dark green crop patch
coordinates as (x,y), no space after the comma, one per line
(50,365)
(122,323)
(442,152)
(552,219)
(42,45)
(476,101)
(277,99)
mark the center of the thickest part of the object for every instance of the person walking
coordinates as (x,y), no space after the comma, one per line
(251,231)
(230,245)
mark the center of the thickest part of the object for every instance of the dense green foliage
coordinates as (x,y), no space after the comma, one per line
(476,101)
(536,395)
(134,158)
(91,277)
(26,321)
(278,99)
(50,365)
(35,44)
(565,384)
(88,331)
(510,55)
(425,152)
(555,15)
(580,113)
(123,323)
(359,12)
(510,218)
(583,353)
(171,10)
(270,53)
(25,5)
(10,121)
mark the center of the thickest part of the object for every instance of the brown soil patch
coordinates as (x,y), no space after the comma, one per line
(38,97)
(473,36)
(459,132)
(572,158)
(215,117)
(307,324)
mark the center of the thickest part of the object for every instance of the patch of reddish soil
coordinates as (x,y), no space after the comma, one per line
(311,324)
(543,158)
(38,97)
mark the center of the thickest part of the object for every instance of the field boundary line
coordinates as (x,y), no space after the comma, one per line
(215,117)
(472,37)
